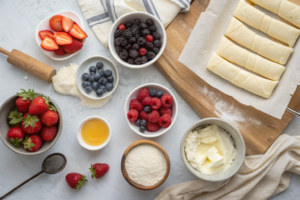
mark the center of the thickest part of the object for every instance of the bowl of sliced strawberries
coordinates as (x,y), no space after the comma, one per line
(61,36)
(30,123)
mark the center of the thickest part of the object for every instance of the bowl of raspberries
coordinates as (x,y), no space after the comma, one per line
(30,123)
(137,39)
(151,110)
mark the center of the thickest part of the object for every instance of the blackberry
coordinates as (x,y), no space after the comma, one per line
(123,55)
(128,46)
(149,22)
(149,45)
(120,41)
(150,55)
(136,22)
(155,50)
(118,33)
(118,49)
(135,46)
(145,32)
(144,59)
(132,40)
(128,24)
(135,27)
(141,41)
(138,61)
(131,61)
(136,32)
(157,43)
(133,53)
(127,34)
(143,26)
(152,28)
(156,35)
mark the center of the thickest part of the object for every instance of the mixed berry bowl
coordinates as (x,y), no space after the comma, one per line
(151,110)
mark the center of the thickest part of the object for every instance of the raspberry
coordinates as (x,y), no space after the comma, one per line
(143,93)
(133,115)
(121,27)
(164,110)
(165,121)
(155,103)
(143,51)
(166,100)
(135,104)
(147,101)
(153,116)
(149,38)
(152,127)
(144,116)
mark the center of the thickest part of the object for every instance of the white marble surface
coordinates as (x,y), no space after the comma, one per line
(19,19)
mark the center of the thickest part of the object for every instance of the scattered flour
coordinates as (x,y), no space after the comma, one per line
(64,82)
(146,165)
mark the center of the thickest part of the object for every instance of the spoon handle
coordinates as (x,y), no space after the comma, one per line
(21,184)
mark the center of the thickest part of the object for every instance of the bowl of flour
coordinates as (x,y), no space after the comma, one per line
(145,165)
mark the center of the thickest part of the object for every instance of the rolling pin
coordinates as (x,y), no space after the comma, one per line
(29,64)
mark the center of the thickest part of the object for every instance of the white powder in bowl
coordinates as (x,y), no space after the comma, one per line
(146,165)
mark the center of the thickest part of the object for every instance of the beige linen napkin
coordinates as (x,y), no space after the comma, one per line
(260,177)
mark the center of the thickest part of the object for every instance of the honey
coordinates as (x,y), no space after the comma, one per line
(94,132)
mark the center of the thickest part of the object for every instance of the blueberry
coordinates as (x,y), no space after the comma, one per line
(138,122)
(99,92)
(102,81)
(99,65)
(152,92)
(147,109)
(101,72)
(158,94)
(109,86)
(92,78)
(92,73)
(88,89)
(92,69)
(142,129)
(107,72)
(143,123)
(85,84)
(95,85)
(85,76)
(97,77)
(103,88)
(110,79)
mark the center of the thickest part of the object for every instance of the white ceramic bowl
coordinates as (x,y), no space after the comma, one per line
(238,142)
(133,95)
(44,25)
(130,17)
(84,68)
(86,146)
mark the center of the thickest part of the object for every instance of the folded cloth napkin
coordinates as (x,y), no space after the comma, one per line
(260,177)
(101,14)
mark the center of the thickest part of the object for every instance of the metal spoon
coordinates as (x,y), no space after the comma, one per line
(52,164)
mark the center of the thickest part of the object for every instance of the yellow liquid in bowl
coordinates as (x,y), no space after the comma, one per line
(94,132)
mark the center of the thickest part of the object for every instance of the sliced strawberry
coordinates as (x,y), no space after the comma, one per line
(60,51)
(55,23)
(67,24)
(49,44)
(45,33)
(74,47)
(62,38)
(77,32)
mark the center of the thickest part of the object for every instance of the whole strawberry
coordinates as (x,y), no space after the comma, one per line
(39,105)
(75,180)
(16,136)
(98,170)
(33,143)
(48,133)
(49,118)
(31,124)
(24,100)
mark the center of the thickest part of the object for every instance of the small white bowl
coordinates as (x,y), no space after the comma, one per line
(130,17)
(44,25)
(84,68)
(133,95)
(238,143)
(86,146)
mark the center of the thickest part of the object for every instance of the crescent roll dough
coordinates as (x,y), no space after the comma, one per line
(285,9)
(276,52)
(250,61)
(241,78)
(274,28)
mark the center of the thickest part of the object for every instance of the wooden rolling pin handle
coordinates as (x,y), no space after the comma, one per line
(4,51)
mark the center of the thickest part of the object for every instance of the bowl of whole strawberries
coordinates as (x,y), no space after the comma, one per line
(151,110)
(30,123)
(61,36)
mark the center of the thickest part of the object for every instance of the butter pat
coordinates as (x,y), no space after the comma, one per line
(215,158)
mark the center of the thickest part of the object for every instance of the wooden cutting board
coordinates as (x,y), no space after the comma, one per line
(258,129)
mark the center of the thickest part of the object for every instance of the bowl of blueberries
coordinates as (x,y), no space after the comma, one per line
(137,39)
(97,77)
